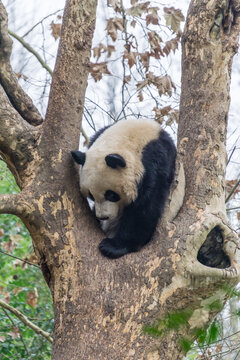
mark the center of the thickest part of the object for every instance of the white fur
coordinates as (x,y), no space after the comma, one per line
(106,209)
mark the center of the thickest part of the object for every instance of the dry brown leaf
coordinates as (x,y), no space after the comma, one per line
(155,40)
(10,245)
(145,59)
(140,96)
(14,333)
(152,19)
(127,79)
(164,85)
(115,4)
(113,25)
(32,298)
(97,70)
(230,185)
(172,45)
(173,18)
(138,9)
(131,58)
(56,30)
(16,290)
(6,297)
(133,23)
(110,50)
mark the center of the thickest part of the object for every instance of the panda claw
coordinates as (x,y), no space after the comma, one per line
(111,250)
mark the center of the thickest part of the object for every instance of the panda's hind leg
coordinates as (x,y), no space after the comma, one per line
(135,230)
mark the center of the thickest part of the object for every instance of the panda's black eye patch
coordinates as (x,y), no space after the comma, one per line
(111,196)
(91,196)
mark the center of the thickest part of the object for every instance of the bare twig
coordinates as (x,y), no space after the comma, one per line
(232,192)
(26,321)
(14,325)
(85,135)
(235,208)
(101,108)
(15,257)
(19,99)
(123,60)
(31,50)
(42,62)
(40,22)
(229,159)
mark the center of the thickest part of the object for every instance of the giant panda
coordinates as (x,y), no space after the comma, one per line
(127,171)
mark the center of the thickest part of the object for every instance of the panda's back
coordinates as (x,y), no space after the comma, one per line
(127,135)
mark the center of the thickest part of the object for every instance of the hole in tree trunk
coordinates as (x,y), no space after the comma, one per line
(211,252)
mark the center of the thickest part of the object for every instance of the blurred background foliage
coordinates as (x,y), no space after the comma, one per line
(21,286)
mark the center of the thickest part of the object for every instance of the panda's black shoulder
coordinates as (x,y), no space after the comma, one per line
(159,156)
(96,135)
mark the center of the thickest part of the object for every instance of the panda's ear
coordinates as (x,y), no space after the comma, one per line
(115,160)
(79,157)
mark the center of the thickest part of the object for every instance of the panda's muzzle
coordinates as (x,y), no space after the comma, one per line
(103,218)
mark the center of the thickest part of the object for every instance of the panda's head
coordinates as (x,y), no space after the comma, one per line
(107,179)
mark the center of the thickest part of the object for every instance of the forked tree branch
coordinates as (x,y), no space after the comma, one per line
(42,62)
(11,204)
(19,99)
(26,321)
(18,140)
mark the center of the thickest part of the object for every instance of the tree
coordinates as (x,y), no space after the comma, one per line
(101,306)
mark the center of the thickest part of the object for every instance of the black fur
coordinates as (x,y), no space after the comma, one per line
(140,218)
(115,160)
(96,135)
(79,157)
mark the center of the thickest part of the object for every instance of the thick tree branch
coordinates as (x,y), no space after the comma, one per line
(26,321)
(70,74)
(19,99)
(12,204)
(208,49)
(18,141)
(205,48)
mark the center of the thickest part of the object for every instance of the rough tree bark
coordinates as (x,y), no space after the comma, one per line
(101,305)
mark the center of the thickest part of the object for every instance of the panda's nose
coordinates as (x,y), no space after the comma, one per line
(103,218)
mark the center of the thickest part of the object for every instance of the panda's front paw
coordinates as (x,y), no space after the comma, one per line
(111,249)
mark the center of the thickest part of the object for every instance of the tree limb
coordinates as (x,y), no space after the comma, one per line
(18,98)
(67,91)
(18,140)
(11,204)
(26,321)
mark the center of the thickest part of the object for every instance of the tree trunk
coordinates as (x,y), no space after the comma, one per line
(102,305)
